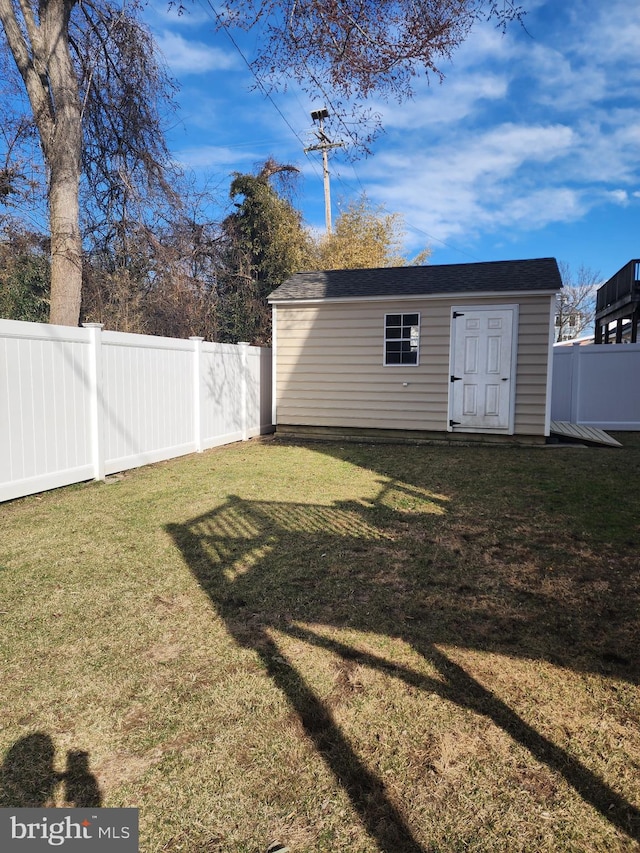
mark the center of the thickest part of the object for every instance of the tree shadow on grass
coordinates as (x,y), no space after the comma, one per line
(280,567)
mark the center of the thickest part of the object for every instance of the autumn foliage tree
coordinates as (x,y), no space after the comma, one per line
(364,236)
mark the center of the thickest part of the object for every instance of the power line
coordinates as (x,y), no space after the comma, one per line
(266,93)
(442,242)
(259,83)
(335,112)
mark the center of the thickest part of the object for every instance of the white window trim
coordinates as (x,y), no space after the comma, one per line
(385,339)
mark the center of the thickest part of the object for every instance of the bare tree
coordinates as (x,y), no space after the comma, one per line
(344,51)
(91,81)
(128,173)
(38,37)
(576,302)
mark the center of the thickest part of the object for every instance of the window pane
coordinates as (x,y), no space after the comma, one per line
(408,331)
(401,339)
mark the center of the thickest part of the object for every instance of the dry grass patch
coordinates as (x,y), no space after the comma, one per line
(358,648)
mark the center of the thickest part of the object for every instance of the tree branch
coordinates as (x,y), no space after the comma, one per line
(25,56)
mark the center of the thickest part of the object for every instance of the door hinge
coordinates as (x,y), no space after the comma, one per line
(457,314)
(456,378)
(454,423)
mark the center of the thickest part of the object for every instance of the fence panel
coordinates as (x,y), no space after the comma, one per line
(77,404)
(148,399)
(45,433)
(221,394)
(597,385)
(259,390)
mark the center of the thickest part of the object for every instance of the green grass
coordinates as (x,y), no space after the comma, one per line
(338,647)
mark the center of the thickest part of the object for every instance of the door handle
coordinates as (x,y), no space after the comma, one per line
(505,378)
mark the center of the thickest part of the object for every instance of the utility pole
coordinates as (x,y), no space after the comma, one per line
(324,144)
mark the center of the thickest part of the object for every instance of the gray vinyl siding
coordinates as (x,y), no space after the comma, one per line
(330,373)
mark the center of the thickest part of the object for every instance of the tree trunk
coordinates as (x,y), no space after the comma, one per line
(64,157)
(66,242)
(39,41)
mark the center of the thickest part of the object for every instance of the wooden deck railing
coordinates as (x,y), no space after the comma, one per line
(624,286)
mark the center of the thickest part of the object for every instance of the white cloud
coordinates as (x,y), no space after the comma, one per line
(561,84)
(567,145)
(542,207)
(192,16)
(605,150)
(194,57)
(608,33)
(495,154)
(525,131)
(502,150)
(484,182)
(590,57)
(444,103)
(618,196)
(219,158)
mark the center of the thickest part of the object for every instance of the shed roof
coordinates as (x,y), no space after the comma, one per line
(490,277)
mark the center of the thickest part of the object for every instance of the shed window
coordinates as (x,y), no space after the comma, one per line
(401,338)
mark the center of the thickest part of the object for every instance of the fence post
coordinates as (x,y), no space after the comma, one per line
(244,396)
(96,399)
(197,402)
(575,383)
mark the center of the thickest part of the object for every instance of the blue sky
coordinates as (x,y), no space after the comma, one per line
(530,147)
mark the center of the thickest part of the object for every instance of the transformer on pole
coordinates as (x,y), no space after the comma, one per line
(324,144)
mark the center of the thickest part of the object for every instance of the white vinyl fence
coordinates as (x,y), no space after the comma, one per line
(78,404)
(597,385)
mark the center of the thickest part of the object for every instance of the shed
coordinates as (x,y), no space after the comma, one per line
(416,351)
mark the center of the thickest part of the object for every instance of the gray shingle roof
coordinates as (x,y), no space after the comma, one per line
(491,277)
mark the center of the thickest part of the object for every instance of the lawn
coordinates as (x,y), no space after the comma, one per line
(333,647)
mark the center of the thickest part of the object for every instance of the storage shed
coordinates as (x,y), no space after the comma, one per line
(416,351)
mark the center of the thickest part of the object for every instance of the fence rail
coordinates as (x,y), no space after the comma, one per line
(596,385)
(78,404)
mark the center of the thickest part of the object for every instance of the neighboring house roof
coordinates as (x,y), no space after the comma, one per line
(488,277)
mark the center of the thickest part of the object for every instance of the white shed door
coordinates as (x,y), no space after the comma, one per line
(483,369)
